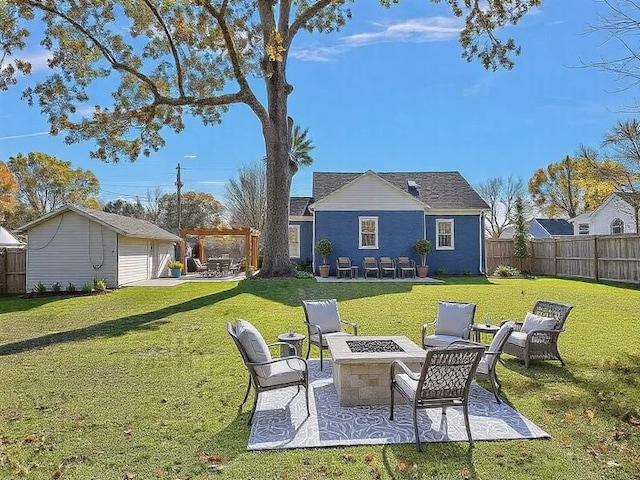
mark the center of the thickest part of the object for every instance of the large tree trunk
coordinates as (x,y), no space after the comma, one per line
(276,262)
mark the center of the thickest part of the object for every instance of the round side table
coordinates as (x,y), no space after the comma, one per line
(479,328)
(296,340)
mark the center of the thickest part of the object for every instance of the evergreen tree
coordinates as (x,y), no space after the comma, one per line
(520,237)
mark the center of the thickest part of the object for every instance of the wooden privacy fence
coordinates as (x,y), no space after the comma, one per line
(598,257)
(13,270)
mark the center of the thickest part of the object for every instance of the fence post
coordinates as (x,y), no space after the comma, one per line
(3,270)
(595,258)
(555,257)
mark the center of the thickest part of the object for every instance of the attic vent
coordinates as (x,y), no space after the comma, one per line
(412,184)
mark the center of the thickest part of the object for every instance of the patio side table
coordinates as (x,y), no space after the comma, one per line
(296,340)
(354,271)
(479,328)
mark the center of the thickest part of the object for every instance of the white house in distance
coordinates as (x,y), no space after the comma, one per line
(8,240)
(614,216)
(543,228)
(77,245)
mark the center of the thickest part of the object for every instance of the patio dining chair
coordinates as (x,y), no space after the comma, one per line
(537,337)
(444,381)
(452,324)
(265,372)
(370,265)
(323,320)
(343,265)
(387,266)
(406,265)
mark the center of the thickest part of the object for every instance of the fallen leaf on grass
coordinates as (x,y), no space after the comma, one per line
(402,467)
(211,458)
(613,464)
(57,474)
(569,416)
(603,447)
(632,419)
(499,453)
(128,432)
(590,415)
(129,476)
(348,457)
(618,434)
(369,458)
(375,473)
(551,411)
(159,473)
(567,444)
(465,473)
(30,438)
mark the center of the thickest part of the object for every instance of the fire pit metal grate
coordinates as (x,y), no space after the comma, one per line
(373,346)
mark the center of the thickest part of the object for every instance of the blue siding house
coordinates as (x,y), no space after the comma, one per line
(383,214)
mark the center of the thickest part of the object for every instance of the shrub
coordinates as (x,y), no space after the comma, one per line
(304,265)
(56,287)
(71,288)
(305,275)
(40,288)
(87,288)
(422,247)
(324,247)
(466,272)
(441,272)
(506,271)
(100,285)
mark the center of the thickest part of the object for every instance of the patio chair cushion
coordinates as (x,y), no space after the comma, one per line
(324,313)
(483,367)
(406,384)
(254,345)
(500,336)
(537,322)
(518,338)
(440,340)
(454,319)
(284,372)
(315,338)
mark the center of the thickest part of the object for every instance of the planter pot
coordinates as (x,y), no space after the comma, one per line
(324,271)
(176,272)
(422,271)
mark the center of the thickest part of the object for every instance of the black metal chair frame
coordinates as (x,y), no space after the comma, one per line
(313,328)
(435,390)
(254,378)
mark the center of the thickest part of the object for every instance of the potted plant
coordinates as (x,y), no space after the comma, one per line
(176,268)
(422,248)
(324,247)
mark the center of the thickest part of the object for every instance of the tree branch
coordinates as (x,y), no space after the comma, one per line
(174,51)
(303,18)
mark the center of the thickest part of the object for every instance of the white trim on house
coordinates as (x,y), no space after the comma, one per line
(313,242)
(297,228)
(368,191)
(441,221)
(300,218)
(440,211)
(368,247)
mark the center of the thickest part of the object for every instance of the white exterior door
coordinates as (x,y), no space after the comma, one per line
(134,260)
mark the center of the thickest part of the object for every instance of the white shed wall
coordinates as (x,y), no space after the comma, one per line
(163,253)
(134,259)
(600,223)
(69,248)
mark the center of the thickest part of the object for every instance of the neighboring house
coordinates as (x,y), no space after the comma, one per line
(543,228)
(616,215)
(8,240)
(77,245)
(383,214)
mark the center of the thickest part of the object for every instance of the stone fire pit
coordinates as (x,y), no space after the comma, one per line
(361,366)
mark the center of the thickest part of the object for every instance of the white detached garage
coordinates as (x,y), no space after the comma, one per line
(77,245)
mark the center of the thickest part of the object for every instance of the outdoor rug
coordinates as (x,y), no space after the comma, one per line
(281,420)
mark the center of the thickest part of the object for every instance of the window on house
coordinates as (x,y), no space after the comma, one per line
(444,234)
(617,226)
(583,229)
(368,232)
(294,241)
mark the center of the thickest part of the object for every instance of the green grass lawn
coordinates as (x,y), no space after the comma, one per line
(145,383)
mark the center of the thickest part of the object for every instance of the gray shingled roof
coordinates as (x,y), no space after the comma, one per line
(437,189)
(556,226)
(299,206)
(127,226)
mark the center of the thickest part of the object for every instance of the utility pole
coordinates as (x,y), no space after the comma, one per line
(179,186)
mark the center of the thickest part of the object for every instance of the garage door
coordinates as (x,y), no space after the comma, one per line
(133,260)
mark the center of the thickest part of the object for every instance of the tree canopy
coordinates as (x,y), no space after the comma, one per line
(500,194)
(126,208)
(175,58)
(8,193)
(199,210)
(246,197)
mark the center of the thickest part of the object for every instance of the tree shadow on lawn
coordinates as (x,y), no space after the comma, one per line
(15,303)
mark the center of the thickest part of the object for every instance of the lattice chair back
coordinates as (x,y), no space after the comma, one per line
(404,262)
(559,311)
(386,262)
(447,373)
(369,262)
(344,262)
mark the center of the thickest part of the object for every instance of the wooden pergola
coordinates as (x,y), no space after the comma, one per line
(250,242)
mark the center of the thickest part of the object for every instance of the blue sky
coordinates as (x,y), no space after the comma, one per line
(390,92)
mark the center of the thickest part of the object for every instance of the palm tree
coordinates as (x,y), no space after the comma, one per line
(300,148)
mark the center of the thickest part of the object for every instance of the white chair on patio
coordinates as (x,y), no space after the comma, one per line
(323,320)
(265,372)
(452,324)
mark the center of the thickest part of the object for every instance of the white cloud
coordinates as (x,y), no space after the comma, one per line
(38,60)
(415,30)
(211,182)
(25,135)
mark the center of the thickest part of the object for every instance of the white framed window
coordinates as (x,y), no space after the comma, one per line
(368,232)
(294,241)
(617,226)
(583,229)
(444,234)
